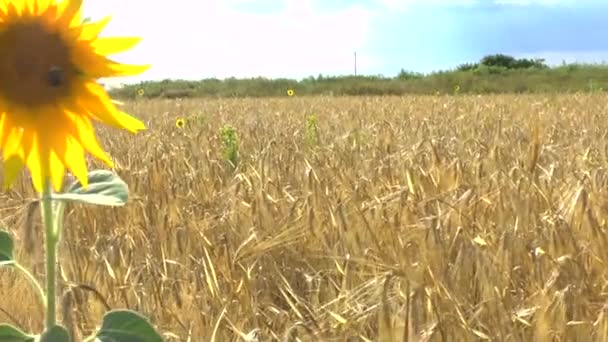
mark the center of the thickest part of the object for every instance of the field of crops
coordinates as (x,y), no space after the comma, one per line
(446,218)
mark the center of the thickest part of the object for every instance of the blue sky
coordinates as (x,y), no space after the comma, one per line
(194,39)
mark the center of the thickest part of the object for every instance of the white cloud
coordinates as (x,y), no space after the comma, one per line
(402,5)
(196,39)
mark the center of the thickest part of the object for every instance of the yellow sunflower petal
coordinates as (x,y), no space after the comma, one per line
(28,6)
(40,6)
(75,161)
(56,170)
(118,69)
(35,165)
(85,134)
(77,19)
(50,11)
(69,11)
(56,141)
(90,31)
(12,167)
(3,127)
(67,152)
(12,10)
(112,45)
(13,142)
(100,106)
(14,150)
(35,7)
(106,68)
(96,66)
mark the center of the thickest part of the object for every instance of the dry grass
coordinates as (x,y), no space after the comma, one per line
(415,218)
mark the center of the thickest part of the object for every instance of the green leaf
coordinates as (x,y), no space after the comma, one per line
(126,326)
(6,246)
(55,334)
(9,333)
(105,188)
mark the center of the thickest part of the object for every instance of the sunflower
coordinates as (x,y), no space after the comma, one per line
(140,92)
(49,95)
(290,92)
(180,123)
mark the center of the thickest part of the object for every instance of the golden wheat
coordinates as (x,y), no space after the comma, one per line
(412,218)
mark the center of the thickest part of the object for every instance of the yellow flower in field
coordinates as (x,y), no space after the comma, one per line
(180,123)
(140,92)
(50,61)
(290,92)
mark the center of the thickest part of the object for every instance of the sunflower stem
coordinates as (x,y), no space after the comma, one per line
(51,239)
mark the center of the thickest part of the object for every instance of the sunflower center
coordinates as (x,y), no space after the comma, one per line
(35,65)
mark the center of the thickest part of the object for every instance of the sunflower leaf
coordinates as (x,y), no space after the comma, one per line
(10,333)
(105,188)
(126,326)
(55,334)
(6,246)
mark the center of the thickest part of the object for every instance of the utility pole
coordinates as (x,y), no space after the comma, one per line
(355,63)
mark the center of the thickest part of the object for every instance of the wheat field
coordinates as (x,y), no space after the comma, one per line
(425,218)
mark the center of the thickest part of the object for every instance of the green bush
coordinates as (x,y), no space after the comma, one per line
(493,74)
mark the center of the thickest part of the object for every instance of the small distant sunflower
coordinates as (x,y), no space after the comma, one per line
(140,92)
(290,92)
(49,95)
(180,123)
